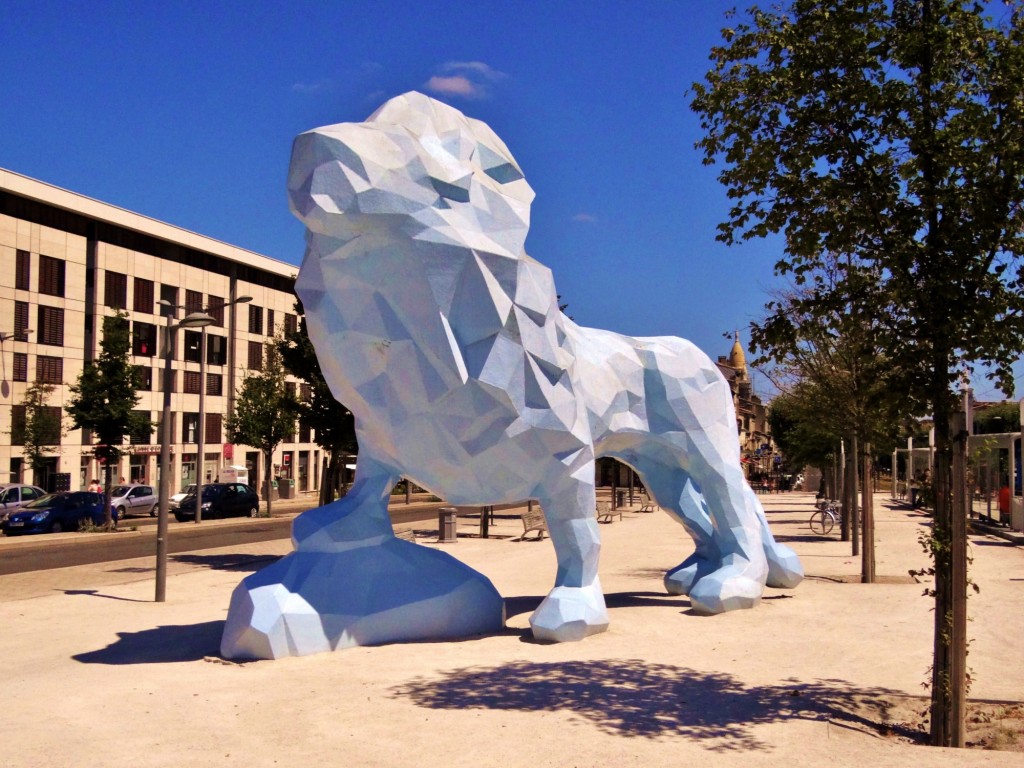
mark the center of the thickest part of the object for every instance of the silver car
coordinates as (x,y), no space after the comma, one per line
(134,500)
(13,495)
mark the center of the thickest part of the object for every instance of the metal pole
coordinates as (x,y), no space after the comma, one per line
(165,471)
(201,436)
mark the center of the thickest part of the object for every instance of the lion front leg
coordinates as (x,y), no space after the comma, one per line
(575,607)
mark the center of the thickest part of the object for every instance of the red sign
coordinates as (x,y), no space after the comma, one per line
(229,451)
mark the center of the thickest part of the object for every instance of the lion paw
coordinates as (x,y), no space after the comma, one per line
(570,613)
(727,589)
(784,568)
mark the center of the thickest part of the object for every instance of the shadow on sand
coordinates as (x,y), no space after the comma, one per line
(631,697)
(229,562)
(162,645)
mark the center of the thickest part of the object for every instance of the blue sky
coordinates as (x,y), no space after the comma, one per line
(185,112)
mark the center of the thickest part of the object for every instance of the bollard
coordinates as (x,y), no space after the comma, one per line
(446,526)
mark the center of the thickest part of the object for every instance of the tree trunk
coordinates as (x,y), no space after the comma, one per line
(849,511)
(949,664)
(268,468)
(108,481)
(867,562)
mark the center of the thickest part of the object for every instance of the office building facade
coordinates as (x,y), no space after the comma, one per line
(67,262)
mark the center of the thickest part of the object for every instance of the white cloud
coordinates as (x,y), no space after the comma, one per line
(313,87)
(479,67)
(586,218)
(456,85)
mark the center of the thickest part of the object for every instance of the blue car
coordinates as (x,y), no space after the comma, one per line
(56,512)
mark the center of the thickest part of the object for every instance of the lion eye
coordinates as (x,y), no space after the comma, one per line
(497,166)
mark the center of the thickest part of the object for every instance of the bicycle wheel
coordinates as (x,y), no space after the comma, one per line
(821,522)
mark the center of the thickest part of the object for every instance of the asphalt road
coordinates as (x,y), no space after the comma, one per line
(46,551)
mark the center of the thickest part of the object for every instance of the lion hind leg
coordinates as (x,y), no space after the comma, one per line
(784,568)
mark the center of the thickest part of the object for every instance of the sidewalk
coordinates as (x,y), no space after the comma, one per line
(97,675)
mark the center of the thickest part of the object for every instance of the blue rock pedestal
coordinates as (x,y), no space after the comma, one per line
(390,591)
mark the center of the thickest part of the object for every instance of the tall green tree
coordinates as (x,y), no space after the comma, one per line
(332,423)
(890,134)
(264,413)
(104,398)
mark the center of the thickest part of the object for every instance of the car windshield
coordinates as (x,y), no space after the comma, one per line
(43,501)
(119,490)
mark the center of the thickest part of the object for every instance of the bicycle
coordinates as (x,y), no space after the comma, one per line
(825,517)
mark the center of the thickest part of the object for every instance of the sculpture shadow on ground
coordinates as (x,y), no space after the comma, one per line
(97,593)
(631,697)
(161,645)
(515,606)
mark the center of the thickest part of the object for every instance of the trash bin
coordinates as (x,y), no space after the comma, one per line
(274,491)
(446,526)
(620,499)
(287,489)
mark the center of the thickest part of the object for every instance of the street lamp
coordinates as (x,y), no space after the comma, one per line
(192,320)
(201,437)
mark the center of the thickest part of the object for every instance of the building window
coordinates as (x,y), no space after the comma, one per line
(17,425)
(143,339)
(213,428)
(51,276)
(291,324)
(20,367)
(49,370)
(193,302)
(214,384)
(142,299)
(115,290)
(304,433)
(174,381)
(51,326)
(255,319)
(189,427)
(143,375)
(305,392)
(191,383)
(216,349)
(193,346)
(270,322)
(256,355)
(289,388)
(22,270)
(168,293)
(52,415)
(215,308)
(20,320)
(144,435)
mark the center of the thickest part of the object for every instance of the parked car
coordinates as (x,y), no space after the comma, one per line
(134,499)
(175,501)
(56,512)
(220,500)
(14,495)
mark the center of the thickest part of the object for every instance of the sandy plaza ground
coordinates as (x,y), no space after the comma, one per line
(96,674)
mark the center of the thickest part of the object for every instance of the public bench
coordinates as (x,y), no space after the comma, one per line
(647,503)
(533,520)
(605,513)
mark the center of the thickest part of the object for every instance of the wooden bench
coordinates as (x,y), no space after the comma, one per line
(605,513)
(647,503)
(533,520)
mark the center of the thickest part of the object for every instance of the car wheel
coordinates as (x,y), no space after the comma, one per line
(56,527)
(154,509)
(180,518)
(254,512)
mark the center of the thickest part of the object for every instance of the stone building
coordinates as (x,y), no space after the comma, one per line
(66,262)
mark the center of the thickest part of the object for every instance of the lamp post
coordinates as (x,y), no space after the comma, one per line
(201,437)
(192,320)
